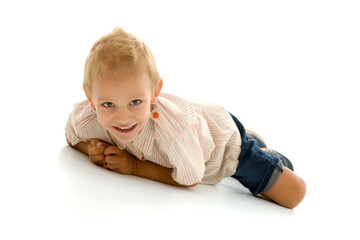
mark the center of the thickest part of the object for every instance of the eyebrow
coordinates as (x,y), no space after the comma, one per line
(102,99)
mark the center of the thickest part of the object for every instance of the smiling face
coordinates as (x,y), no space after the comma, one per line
(123,103)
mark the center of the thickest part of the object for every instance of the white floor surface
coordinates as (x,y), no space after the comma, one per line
(288,70)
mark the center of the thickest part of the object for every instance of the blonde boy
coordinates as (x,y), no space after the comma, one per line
(127,126)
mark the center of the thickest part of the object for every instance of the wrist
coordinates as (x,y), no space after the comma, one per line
(82,147)
(135,165)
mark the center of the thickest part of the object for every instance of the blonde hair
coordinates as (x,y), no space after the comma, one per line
(119,52)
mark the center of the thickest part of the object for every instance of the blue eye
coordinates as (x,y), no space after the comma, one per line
(108,104)
(135,102)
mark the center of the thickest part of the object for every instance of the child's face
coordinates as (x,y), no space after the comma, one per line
(123,104)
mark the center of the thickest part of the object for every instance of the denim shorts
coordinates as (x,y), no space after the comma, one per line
(257,170)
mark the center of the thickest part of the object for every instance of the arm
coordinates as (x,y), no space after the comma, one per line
(82,147)
(150,170)
(122,162)
(288,191)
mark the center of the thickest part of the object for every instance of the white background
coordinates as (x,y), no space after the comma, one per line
(288,70)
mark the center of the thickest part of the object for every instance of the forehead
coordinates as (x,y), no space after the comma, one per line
(122,84)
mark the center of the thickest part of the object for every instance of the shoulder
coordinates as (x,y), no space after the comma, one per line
(175,109)
(176,105)
(173,115)
(216,115)
(82,115)
(82,125)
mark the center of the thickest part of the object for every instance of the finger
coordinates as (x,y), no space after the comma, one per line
(105,166)
(100,163)
(111,166)
(97,143)
(112,159)
(98,159)
(112,150)
(94,141)
(98,149)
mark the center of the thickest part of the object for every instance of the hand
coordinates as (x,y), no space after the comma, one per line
(96,150)
(119,161)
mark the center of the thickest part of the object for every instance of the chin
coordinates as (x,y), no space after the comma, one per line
(125,138)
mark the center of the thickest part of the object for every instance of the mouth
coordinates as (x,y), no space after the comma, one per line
(125,130)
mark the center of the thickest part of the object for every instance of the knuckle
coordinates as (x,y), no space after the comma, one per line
(109,159)
(112,148)
(98,158)
(91,151)
(98,150)
(108,150)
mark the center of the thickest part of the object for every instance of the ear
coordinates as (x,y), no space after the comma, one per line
(158,90)
(89,98)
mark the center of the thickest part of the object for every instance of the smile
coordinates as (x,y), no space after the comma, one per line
(125,129)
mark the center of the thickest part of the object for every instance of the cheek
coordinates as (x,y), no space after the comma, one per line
(102,118)
(143,113)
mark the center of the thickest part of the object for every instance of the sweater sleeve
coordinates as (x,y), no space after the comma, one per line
(186,156)
(82,125)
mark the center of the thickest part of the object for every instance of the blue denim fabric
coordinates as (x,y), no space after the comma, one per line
(255,166)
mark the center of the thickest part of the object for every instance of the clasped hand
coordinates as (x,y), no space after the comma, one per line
(111,157)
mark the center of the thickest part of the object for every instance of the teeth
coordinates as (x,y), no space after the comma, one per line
(125,128)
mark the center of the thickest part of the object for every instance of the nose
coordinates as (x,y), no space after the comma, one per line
(123,116)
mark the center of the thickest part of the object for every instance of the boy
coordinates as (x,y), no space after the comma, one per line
(129,127)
